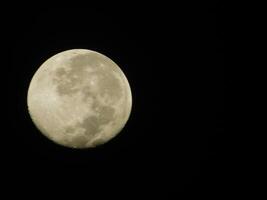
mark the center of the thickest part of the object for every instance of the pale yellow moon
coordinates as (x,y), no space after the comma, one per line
(79,98)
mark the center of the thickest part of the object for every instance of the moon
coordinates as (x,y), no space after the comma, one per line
(79,99)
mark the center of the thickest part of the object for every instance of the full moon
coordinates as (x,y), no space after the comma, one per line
(79,98)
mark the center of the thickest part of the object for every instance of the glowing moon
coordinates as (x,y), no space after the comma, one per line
(79,98)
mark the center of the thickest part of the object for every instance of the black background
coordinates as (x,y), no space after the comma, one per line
(172,144)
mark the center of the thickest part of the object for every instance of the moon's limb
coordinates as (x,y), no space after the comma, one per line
(79,98)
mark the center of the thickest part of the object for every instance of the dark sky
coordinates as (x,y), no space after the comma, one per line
(173,57)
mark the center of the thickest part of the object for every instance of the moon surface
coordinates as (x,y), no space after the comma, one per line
(79,98)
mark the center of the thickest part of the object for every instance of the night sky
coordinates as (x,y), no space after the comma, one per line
(173,57)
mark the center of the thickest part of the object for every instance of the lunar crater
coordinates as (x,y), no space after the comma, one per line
(91,125)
